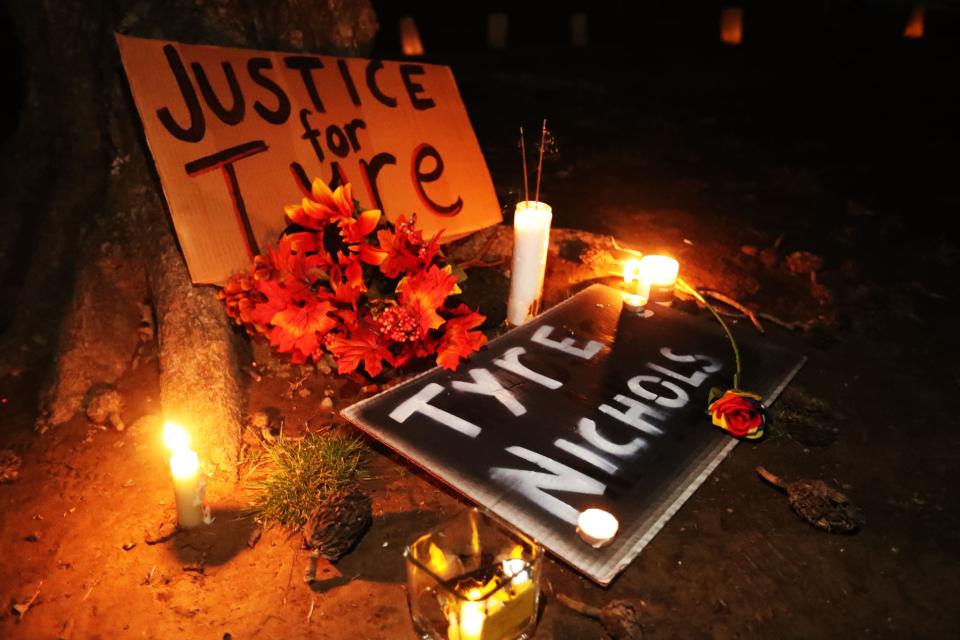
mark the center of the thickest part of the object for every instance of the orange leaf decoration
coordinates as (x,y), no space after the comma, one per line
(348,283)
(424,293)
(363,346)
(458,340)
(297,330)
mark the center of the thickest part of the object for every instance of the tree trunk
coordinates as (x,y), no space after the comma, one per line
(83,224)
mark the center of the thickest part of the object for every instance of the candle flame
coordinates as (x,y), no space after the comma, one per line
(184,463)
(176,437)
(659,270)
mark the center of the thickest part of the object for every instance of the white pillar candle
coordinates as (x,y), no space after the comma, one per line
(189,484)
(597,527)
(660,272)
(531,239)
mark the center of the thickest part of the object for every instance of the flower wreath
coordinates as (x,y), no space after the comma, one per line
(346,282)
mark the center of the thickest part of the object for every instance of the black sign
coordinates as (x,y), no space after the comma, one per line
(589,405)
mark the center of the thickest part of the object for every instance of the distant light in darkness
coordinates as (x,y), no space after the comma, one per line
(914,28)
(410,37)
(731,25)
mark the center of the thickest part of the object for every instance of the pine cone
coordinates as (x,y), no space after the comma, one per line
(819,504)
(337,524)
(104,404)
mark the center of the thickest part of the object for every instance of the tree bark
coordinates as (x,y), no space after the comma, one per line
(80,188)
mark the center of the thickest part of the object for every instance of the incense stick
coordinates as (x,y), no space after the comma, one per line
(543,135)
(523,155)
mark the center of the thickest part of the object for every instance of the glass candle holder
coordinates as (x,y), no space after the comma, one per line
(637,287)
(660,275)
(473,579)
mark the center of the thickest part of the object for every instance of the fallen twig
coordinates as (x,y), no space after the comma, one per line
(789,325)
(727,300)
(619,617)
(290,575)
(633,252)
(786,324)
(21,608)
(478,260)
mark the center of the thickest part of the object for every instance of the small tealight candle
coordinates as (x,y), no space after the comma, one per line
(660,273)
(467,624)
(636,299)
(188,483)
(597,527)
(531,239)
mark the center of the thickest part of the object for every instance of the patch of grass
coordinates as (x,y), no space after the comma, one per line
(301,474)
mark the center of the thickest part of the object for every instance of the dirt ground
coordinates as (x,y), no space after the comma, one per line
(732,160)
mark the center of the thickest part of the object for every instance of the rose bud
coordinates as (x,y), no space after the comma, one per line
(739,413)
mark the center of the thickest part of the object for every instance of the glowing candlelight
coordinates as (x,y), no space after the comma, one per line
(660,274)
(472,617)
(597,527)
(914,28)
(531,239)
(473,580)
(731,25)
(410,37)
(516,570)
(637,299)
(188,483)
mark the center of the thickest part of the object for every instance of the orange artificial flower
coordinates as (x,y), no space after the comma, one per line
(322,206)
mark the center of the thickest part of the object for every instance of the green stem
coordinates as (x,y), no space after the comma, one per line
(726,329)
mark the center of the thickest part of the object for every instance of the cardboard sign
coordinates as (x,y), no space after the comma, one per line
(587,406)
(236,134)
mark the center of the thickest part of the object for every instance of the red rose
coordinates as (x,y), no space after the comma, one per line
(740,413)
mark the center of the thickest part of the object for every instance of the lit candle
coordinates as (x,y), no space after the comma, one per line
(597,527)
(660,274)
(467,623)
(731,25)
(531,239)
(637,299)
(189,484)
(914,28)
(410,37)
